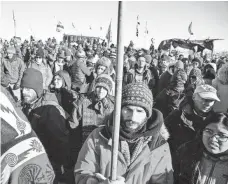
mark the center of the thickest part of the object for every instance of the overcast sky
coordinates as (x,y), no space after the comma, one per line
(165,20)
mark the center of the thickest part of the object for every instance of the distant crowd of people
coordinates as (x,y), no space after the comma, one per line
(57,103)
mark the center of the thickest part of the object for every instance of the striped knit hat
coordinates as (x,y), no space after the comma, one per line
(105,81)
(138,94)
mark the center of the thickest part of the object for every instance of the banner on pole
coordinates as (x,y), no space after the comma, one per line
(59,27)
(109,33)
(190,29)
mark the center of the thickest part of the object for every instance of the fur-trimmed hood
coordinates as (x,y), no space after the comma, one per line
(223,74)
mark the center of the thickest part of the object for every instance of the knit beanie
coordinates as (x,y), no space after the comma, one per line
(33,79)
(138,94)
(105,81)
(40,53)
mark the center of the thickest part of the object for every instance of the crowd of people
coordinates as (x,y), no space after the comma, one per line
(173,127)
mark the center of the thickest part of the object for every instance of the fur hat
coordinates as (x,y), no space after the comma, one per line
(178,80)
(105,81)
(138,94)
(33,79)
(104,61)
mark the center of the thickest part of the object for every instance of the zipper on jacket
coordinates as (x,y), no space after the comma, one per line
(211,172)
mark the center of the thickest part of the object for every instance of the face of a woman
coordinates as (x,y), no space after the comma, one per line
(215,138)
(58,82)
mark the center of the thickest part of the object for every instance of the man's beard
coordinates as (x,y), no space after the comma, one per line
(130,130)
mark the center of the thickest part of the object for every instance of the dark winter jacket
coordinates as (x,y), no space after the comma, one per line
(155,75)
(23,157)
(152,165)
(164,81)
(48,120)
(196,165)
(183,124)
(168,100)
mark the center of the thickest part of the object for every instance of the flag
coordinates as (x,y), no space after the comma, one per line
(90,27)
(14,21)
(146,30)
(137,26)
(59,27)
(190,29)
(73,25)
(109,33)
(100,28)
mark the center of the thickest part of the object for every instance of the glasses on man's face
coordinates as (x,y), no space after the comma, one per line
(219,136)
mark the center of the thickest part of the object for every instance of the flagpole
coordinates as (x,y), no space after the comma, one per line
(118,92)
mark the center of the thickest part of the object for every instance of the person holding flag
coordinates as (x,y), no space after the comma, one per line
(143,156)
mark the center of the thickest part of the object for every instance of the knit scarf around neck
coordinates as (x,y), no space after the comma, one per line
(149,127)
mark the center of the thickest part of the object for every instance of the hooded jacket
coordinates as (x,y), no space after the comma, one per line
(65,95)
(152,165)
(196,165)
(48,120)
(221,85)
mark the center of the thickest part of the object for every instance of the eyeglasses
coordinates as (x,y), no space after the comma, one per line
(219,137)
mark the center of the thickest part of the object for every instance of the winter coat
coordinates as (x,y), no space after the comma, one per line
(196,166)
(5,77)
(147,77)
(78,73)
(86,117)
(164,81)
(15,68)
(48,120)
(221,85)
(46,73)
(23,157)
(183,124)
(155,75)
(152,165)
(167,101)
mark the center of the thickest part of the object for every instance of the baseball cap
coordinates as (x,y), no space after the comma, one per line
(206,91)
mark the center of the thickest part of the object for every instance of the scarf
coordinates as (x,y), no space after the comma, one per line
(132,142)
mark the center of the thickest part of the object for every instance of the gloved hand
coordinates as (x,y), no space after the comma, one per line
(16,86)
(103,180)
